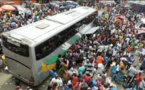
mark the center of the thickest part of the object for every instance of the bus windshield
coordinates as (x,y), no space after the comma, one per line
(21,50)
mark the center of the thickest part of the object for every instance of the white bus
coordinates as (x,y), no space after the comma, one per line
(27,47)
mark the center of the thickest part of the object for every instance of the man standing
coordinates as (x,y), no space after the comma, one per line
(100,59)
(114,52)
(142,84)
(131,72)
(114,70)
(143,64)
(137,81)
(53,73)
(130,62)
(81,69)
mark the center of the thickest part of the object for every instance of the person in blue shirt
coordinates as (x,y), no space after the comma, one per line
(95,88)
(81,69)
(143,64)
(94,83)
(105,60)
(35,18)
(100,27)
(114,70)
(114,47)
(53,73)
(66,87)
(128,53)
(113,88)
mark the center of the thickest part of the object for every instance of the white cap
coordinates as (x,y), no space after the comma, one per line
(111,45)
(71,69)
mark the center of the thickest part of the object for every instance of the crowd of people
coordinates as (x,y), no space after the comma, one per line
(99,61)
(12,20)
(104,59)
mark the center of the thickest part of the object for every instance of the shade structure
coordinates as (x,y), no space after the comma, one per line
(87,30)
(1,10)
(8,7)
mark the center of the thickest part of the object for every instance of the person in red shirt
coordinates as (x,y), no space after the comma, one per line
(87,77)
(50,13)
(104,37)
(129,48)
(137,81)
(100,59)
(110,10)
(74,81)
(75,46)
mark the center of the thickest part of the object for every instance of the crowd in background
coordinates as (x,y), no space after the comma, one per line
(99,61)
(104,59)
(12,20)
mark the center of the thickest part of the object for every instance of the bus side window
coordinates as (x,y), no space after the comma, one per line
(21,50)
(54,42)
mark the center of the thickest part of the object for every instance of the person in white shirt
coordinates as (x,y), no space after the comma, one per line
(112,31)
(123,27)
(114,52)
(100,49)
(57,80)
(60,83)
(123,59)
(100,68)
(119,44)
(127,39)
(131,73)
(90,47)
(119,30)
(143,51)
(69,83)
(142,84)
(54,80)
(129,34)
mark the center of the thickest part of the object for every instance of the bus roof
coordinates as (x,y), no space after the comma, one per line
(44,29)
(68,16)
